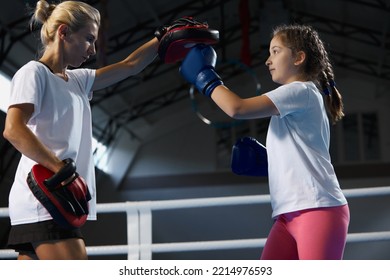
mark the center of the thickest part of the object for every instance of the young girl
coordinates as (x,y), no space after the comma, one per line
(310,211)
(49,120)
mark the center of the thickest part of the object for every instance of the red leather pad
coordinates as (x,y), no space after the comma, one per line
(176,43)
(67,204)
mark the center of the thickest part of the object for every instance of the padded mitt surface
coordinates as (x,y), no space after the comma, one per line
(65,194)
(180,38)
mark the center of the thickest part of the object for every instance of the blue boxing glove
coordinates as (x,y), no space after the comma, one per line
(249,158)
(198,69)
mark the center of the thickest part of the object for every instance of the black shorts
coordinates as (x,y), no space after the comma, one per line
(22,236)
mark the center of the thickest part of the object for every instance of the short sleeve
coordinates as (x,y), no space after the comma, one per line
(27,86)
(290,98)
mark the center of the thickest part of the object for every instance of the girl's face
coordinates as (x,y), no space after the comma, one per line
(283,65)
(81,45)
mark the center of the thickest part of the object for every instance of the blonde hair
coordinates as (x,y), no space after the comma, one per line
(317,66)
(75,14)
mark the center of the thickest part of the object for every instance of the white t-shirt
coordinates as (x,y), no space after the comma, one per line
(301,175)
(62,121)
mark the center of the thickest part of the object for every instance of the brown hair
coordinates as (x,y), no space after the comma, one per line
(317,67)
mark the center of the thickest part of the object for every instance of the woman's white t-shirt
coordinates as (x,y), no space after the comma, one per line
(62,121)
(301,175)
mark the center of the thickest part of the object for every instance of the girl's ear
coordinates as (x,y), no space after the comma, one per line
(300,58)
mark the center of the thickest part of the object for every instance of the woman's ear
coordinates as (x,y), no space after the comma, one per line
(63,31)
(299,58)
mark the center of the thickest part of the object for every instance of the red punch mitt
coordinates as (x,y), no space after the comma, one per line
(177,40)
(64,194)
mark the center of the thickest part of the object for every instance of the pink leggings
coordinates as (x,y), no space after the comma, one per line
(313,234)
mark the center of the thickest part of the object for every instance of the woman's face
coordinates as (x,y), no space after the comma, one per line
(81,45)
(283,65)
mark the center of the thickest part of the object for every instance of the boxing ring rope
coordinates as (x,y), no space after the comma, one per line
(139,225)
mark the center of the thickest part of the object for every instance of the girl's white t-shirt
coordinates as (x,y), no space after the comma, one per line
(301,175)
(62,121)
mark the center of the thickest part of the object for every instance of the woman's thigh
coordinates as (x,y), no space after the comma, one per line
(65,249)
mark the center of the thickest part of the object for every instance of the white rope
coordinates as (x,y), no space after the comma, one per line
(4,213)
(208,245)
(367,192)
(222,201)
(8,254)
(180,246)
(212,201)
(183,203)
(368,236)
(223,244)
